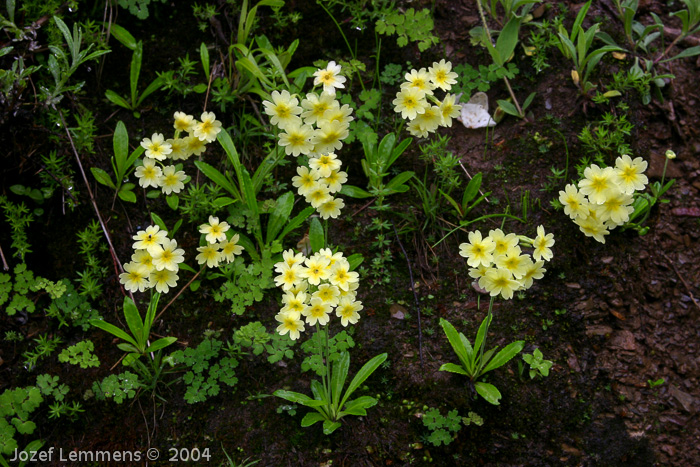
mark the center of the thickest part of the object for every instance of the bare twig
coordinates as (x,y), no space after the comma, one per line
(5,266)
(415,297)
(117,263)
(470,177)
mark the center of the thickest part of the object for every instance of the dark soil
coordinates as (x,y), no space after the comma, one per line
(630,306)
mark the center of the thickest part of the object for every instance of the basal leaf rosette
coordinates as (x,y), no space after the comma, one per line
(416,100)
(605,196)
(190,138)
(499,264)
(315,288)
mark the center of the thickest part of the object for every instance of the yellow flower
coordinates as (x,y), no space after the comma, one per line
(628,174)
(503,244)
(592,227)
(419,79)
(315,106)
(208,128)
(168,256)
(430,119)
(291,323)
(183,122)
(442,76)
(144,258)
(156,147)
(410,102)
(597,184)
(305,181)
(316,270)
(329,78)
(172,181)
(318,195)
(149,173)
(135,279)
(297,139)
(317,312)
(347,311)
(215,231)
(515,264)
(542,244)
(329,136)
(325,164)
(499,282)
(162,280)
(194,145)
(329,294)
(478,250)
(335,180)
(209,254)
(179,149)
(533,271)
(331,208)
(149,239)
(575,204)
(283,109)
(231,248)
(617,208)
(289,258)
(289,276)
(449,110)
(342,277)
(294,302)
(339,114)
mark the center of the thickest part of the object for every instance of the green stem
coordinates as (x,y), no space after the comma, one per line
(352,53)
(486,332)
(515,100)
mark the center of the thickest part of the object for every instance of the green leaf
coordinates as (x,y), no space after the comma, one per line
(158,221)
(115,98)
(508,108)
(354,192)
(355,260)
(120,144)
(689,52)
(134,72)
(508,39)
(155,85)
(316,235)
(219,178)
(397,183)
(457,345)
(123,36)
(173,201)
(291,396)
(102,177)
(311,418)
(279,216)
(361,403)
(112,329)
(488,392)
(471,191)
(329,427)
(504,356)
(364,373)
(296,222)
(160,344)
(125,194)
(135,323)
(340,374)
(454,368)
(204,57)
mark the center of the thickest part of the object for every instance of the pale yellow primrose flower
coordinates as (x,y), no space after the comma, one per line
(503,244)
(156,147)
(294,302)
(315,106)
(329,78)
(328,293)
(183,122)
(410,102)
(542,244)
(289,276)
(331,208)
(215,231)
(149,173)
(316,270)
(442,76)
(296,139)
(194,145)
(162,280)
(592,227)
(283,110)
(449,110)
(342,277)
(172,181)
(629,174)
(617,208)
(329,136)
(208,128)
(336,180)
(231,248)
(149,239)
(325,164)
(347,311)
(477,251)
(516,264)
(306,181)
(499,282)
(317,312)
(336,113)
(419,79)
(291,323)
(209,254)
(135,279)
(534,271)
(179,149)
(168,256)
(318,195)
(575,204)
(597,184)
(143,258)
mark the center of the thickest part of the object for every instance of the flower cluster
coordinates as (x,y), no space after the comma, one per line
(500,266)
(155,262)
(154,172)
(313,287)
(604,197)
(417,103)
(219,247)
(316,129)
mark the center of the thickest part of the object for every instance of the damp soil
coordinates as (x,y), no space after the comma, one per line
(612,316)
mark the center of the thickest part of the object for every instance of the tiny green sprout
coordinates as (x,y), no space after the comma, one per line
(658,382)
(537,364)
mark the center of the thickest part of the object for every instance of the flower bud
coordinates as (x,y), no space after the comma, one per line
(574,77)
(670,154)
